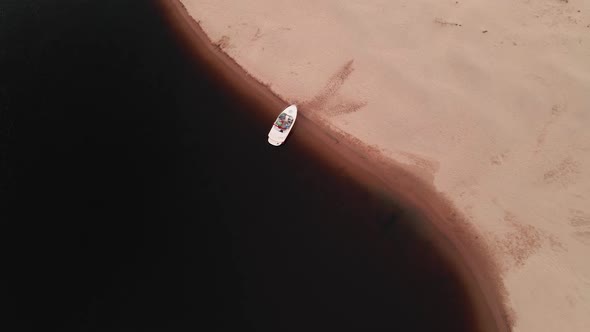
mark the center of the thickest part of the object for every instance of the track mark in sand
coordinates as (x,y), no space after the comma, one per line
(223,42)
(556,112)
(581,222)
(257,35)
(325,101)
(331,88)
(345,108)
(564,173)
(446,23)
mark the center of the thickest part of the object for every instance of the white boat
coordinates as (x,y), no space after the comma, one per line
(282,126)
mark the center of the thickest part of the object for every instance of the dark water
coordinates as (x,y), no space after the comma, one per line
(139,195)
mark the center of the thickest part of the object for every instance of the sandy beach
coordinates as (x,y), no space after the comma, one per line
(485,103)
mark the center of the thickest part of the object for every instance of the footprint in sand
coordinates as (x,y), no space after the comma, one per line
(520,243)
(499,159)
(524,241)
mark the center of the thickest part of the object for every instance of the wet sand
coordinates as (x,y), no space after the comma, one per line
(432,216)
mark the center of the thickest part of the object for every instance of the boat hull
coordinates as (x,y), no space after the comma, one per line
(282,126)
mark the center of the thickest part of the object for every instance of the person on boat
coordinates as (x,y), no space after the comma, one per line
(281,122)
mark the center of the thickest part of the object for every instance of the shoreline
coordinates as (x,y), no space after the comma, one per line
(366,166)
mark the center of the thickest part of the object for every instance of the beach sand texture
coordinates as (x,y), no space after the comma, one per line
(487,100)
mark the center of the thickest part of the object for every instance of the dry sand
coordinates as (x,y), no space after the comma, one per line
(486,100)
